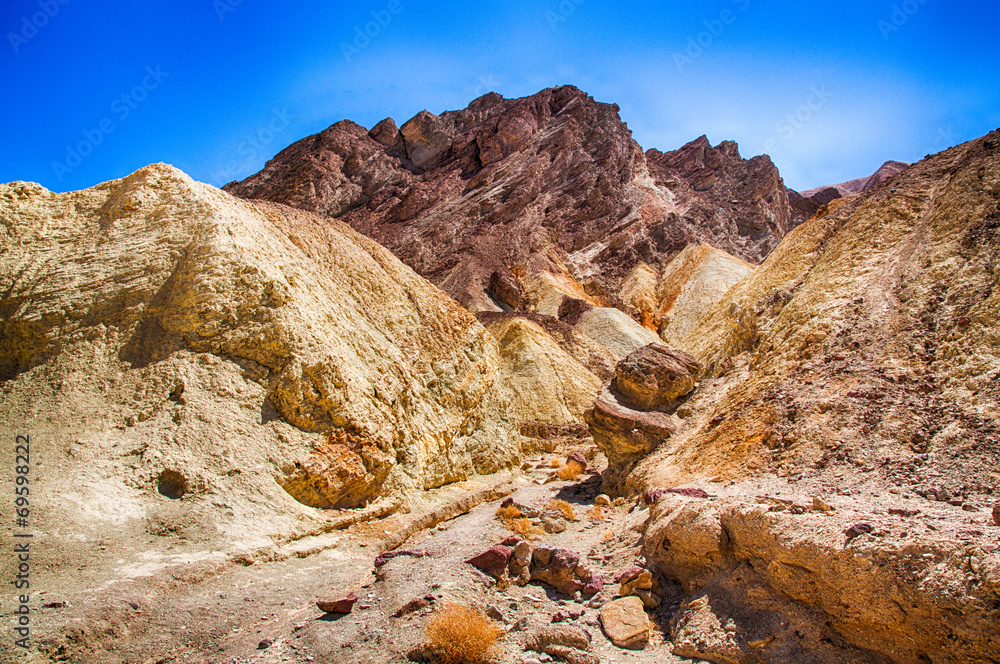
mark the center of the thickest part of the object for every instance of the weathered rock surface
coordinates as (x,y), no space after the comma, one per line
(625,623)
(551,184)
(655,377)
(864,354)
(698,633)
(615,330)
(199,352)
(549,385)
(624,434)
(691,284)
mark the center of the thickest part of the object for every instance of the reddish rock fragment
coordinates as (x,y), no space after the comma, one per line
(857,530)
(341,606)
(389,555)
(594,586)
(493,561)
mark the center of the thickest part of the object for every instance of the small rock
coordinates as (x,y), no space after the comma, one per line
(996,514)
(493,561)
(629,574)
(625,623)
(563,616)
(820,505)
(567,636)
(495,613)
(898,511)
(553,525)
(341,606)
(594,586)
(522,554)
(265,644)
(412,606)
(969,508)
(857,530)
(602,500)
(643,581)
(619,501)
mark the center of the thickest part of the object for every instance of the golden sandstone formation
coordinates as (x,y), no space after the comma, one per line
(252,358)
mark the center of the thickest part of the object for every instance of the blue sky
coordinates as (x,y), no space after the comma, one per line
(94,90)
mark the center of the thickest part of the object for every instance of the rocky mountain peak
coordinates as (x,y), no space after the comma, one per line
(553,182)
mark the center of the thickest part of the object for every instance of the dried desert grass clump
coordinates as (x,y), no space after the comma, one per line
(508,513)
(524,528)
(564,508)
(570,472)
(459,634)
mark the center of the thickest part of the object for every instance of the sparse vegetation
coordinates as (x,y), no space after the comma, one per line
(596,513)
(569,473)
(564,508)
(508,513)
(459,634)
(524,528)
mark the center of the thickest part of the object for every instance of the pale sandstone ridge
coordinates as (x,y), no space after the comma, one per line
(694,281)
(860,361)
(549,385)
(160,334)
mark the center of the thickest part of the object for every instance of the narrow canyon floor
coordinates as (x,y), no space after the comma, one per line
(265,612)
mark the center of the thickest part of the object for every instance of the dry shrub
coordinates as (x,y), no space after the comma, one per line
(459,634)
(508,513)
(524,528)
(608,535)
(555,462)
(596,513)
(564,508)
(570,472)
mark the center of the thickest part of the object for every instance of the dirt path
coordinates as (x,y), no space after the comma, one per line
(225,616)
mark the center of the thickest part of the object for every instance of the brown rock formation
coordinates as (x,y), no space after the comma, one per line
(807,203)
(553,182)
(655,377)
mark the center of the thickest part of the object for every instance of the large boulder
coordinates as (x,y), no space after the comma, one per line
(655,377)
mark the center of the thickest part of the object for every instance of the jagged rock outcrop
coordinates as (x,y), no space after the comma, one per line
(552,184)
(862,357)
(179,339)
